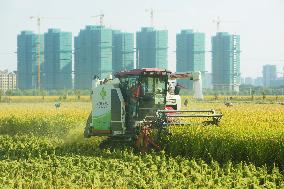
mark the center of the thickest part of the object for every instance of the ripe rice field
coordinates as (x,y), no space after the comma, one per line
(84,98)
(43,147)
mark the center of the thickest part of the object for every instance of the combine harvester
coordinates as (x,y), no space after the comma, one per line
(137,102)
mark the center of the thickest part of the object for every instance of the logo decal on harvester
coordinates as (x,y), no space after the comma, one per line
(103,93)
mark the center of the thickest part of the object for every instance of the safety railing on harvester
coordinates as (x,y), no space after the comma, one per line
(172,117)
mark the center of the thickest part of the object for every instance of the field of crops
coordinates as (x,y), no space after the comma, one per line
(43,147)
(83,98)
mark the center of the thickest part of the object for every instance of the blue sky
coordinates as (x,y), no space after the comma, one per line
(258,22)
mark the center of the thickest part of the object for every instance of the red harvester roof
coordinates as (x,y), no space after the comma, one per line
(140,71)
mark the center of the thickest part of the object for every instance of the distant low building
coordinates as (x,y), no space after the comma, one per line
(7,80)
(279,82)
(258,81)
(242,81)
(248,81)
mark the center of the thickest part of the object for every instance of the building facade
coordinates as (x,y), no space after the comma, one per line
(190,53)
(207,81)
(30,48)
(151,48)
(93,55)
(226,61)
(8,80)
(269,73)
(57,73)
(122,51)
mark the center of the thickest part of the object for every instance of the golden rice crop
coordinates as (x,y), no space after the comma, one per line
(247,132)
(42,119)
(43,147)
(32,99)
(258,98)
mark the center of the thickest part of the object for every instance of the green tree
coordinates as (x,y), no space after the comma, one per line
(43,93)
(78,94)
(9,93)
(1,94)
(263,95)
(252,94)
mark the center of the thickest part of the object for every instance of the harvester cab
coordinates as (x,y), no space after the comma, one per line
(137,101)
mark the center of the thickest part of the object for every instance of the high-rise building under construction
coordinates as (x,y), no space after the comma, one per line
(226,62)
(29,56)
(151,48)
(122,51)
(93,55)
(57,73)
(190,53)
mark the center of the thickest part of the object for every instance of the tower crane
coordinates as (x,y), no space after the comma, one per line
(38,19)
(151,11)
(101,17)
(218,21)
(151,15)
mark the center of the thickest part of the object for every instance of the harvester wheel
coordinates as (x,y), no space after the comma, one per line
(87,133)
(105,144)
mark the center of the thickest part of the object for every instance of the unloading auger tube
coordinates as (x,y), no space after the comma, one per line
(136,102)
